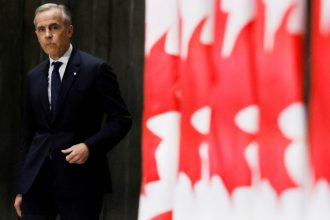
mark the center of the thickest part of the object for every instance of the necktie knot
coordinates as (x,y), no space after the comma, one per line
(57,65)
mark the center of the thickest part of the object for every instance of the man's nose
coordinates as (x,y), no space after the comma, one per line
(48,33)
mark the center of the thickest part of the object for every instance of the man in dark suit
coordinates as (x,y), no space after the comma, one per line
(63,169)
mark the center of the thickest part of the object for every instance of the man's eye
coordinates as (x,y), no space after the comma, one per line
(41,29)
(54,27)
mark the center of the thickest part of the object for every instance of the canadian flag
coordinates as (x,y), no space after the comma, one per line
(192,194)
(161,117)
(224,120)
(234,120)
(320,111)
(281,137)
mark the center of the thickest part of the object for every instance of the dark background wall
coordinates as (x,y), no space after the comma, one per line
(110,29)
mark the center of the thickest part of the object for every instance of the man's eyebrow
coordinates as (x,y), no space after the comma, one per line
(52,24)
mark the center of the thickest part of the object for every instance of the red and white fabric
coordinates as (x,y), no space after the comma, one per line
(319,111)
(224,121)
(191,192)
(234,118)
(161,116)
(282,137)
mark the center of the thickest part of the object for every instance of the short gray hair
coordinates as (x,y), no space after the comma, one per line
(66,14)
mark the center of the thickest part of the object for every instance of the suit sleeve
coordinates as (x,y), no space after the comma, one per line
(27,128)
(118,119)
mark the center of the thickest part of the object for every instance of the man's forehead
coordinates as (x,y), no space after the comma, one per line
(48,17)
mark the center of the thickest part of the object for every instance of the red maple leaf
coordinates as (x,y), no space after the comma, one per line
(159,96)
(195,82)
(279,85)
(234,90)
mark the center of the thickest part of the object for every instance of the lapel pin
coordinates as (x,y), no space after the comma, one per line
(74,73)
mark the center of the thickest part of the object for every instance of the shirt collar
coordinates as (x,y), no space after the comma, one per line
(65,58)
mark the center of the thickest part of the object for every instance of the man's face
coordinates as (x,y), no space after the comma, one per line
(53,33)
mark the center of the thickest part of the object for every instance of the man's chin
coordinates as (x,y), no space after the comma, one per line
(53,55)
(51,50)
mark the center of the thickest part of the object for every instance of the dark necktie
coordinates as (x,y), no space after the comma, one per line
(56,84)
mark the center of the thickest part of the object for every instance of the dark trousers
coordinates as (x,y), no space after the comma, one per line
(44,202)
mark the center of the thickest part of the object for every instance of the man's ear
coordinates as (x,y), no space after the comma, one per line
(70,30)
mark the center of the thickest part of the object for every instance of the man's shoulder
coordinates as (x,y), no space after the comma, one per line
(40,68)
(88,58)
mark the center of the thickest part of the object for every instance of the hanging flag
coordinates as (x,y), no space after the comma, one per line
(192,191)
(281,136)
(234,117)
(223,121)
(160,139)
(320,111)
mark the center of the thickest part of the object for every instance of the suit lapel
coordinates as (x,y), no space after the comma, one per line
(43,86)
(69,77)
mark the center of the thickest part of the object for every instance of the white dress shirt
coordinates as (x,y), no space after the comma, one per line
(64,60)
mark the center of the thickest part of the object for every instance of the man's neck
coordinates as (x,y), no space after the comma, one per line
(66,54)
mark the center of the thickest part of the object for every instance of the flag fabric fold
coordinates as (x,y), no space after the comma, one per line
(161,117)
(319,111)
(281,139)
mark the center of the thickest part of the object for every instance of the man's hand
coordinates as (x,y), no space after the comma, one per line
(17,204)
(77,154)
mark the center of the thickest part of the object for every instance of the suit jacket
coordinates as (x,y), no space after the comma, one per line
(89,89)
